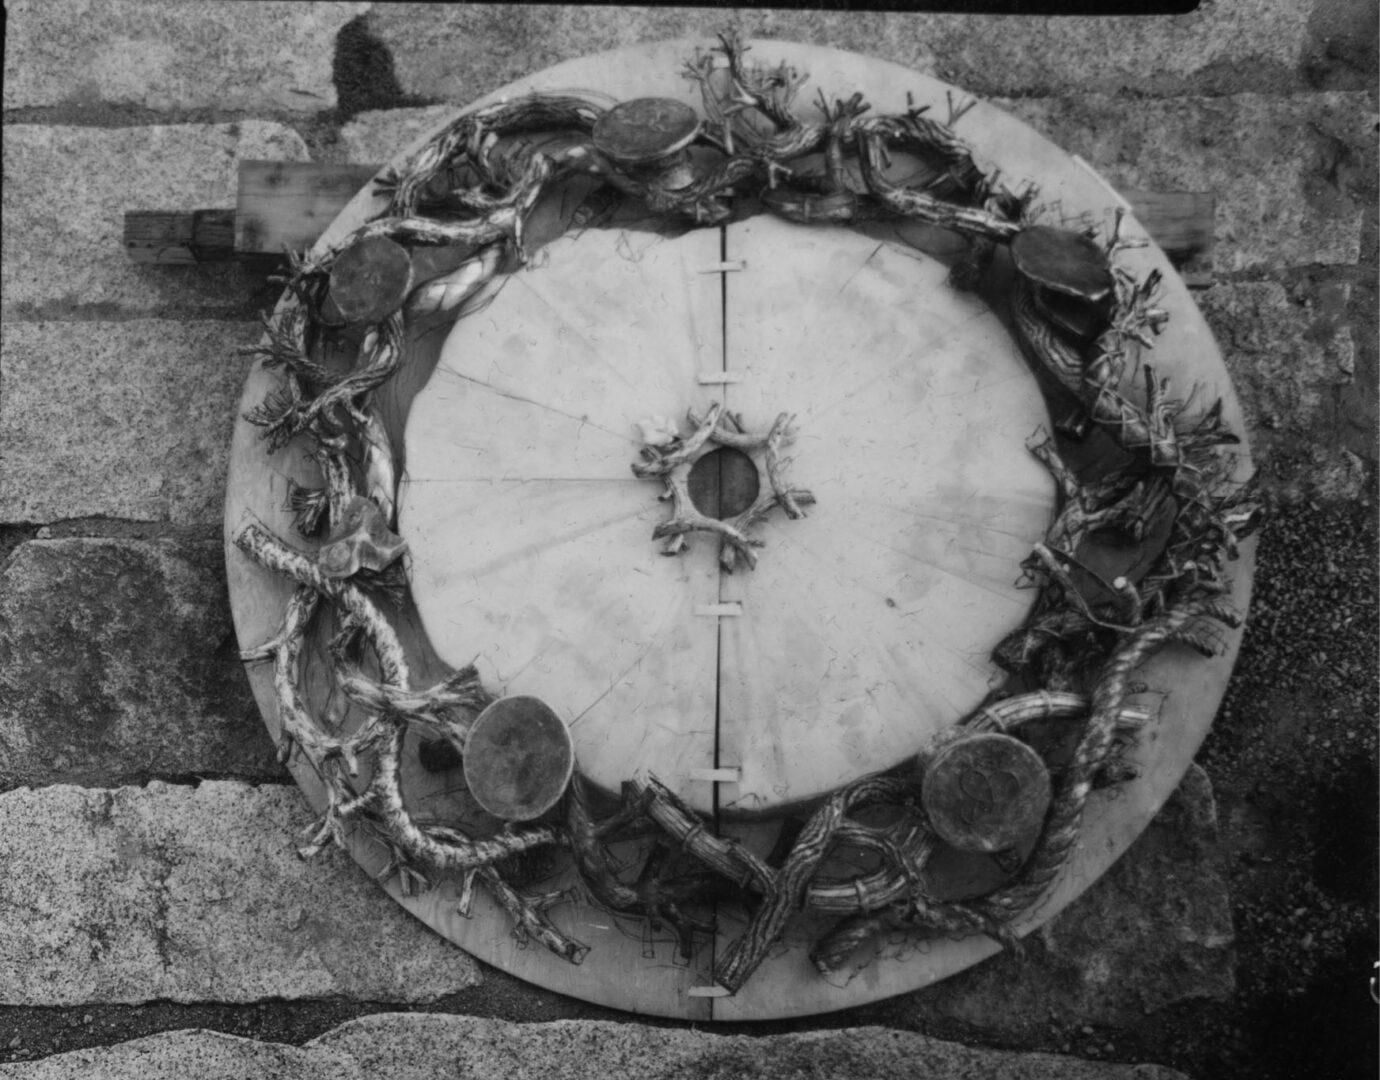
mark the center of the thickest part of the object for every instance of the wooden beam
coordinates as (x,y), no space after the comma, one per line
(171,238)
(288,204)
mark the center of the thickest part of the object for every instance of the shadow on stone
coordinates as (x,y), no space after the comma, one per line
(363,72)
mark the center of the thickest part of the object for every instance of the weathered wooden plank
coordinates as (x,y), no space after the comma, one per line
(288,204)
(159,236)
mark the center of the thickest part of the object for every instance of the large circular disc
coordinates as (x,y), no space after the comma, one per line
(617,971)
(866,626)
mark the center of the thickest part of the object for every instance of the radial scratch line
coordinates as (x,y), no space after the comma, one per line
(582,332)
(514,396)
(945,570)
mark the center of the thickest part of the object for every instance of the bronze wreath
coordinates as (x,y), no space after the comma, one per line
(1079,317)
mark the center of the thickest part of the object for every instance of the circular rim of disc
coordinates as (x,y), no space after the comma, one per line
(1188,691)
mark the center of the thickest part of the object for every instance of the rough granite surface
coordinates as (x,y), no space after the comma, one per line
(264,56)
(457,52)
(419,1047)
(118,663)
(65,196)
(1292,359)
(125,419)
(197,894)
(1285,171)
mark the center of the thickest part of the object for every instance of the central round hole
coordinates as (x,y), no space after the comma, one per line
(723,483)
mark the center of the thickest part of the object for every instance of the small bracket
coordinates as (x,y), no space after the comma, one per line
(708,992)
(732,266)
(730,775)
(730,610)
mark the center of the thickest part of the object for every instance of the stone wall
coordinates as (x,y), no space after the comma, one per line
(146,827)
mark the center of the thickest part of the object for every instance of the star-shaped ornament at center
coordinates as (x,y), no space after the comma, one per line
(668,455)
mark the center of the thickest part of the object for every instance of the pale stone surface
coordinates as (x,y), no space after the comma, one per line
(1286,171)
(184,1055)
(404,1046)
(122,419)
(197,894)
(65,196)
(118,662)
(267,56)
(457,52)
(1154,930)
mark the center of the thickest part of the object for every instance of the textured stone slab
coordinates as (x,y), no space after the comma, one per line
(65,196)
(118,663)
(1293,362)
(1286,171)
(1154,930)
(181,1055)
(273,56)
(196,894)
(411,1046)
(459,52)
(122,419)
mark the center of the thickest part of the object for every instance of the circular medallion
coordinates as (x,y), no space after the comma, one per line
(370,279)
(646,130)
(986,793)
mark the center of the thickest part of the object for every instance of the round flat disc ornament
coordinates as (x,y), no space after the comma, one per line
(518,758)
(986,793)
(1065,261)
(1072,277)
(644,131)
(370,279)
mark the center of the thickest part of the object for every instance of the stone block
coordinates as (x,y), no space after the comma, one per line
(265,56)
(1288,172)
(65,196)
(1155,930)
(179,1055)
(408,1048)
(197,894)
(1293,362)
(413,1046)
(458,52)
(119,419)
(118,663)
